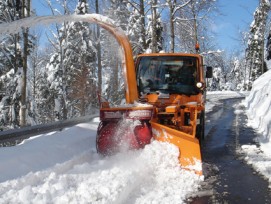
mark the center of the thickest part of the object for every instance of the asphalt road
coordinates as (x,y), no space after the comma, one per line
(228,179)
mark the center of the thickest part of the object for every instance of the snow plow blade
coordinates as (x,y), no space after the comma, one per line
(189,147)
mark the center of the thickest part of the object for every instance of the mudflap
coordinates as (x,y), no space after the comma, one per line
(114,137)
(189,147)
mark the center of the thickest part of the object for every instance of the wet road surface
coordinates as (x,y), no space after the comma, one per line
(228,179)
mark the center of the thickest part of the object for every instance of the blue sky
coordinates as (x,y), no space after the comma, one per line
(235,15)
(41,7)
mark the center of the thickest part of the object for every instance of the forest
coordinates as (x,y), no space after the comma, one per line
(62,72)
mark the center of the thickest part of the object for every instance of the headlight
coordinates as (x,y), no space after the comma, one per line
(199,85)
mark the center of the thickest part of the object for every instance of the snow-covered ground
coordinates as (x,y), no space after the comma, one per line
(63,167)
(258,109)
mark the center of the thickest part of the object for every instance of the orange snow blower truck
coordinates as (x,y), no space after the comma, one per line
(165,101)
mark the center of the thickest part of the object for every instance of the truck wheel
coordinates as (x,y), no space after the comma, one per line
(201,128)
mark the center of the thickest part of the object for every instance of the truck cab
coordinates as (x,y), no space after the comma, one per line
(169,73)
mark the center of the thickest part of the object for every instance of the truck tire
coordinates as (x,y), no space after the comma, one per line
(201,128)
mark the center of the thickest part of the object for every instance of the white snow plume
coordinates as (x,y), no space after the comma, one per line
(16,26)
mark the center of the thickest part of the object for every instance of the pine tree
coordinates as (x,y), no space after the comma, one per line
(255,49)
(155,28)
(268,45)
(99,50)
(25,12)
(112,62)
(119,12)
(145,28)
(14,63)
(75,54)
(55,67)
(236,74)
(137,27)
(44,99)
(55,82)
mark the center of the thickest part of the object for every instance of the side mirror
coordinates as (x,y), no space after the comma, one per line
(209,72)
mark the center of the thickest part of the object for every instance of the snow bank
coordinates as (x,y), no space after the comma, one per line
(258,110)
(44,151)
(258,105)
(260,161)
(63,167)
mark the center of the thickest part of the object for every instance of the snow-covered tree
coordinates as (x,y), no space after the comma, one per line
(236,76)
(145,28)
(192,22)
(15,50)
(80,63)
(154,28)
(24,13)
(255,49)
(97,44)
(74,53)
(119,12)
(173,7)
(112,61)
(44,99)
(268,44)
(137,26)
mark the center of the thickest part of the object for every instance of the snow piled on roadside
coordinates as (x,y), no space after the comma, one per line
(63,167)
(260,161)
(258,110)
(258,105)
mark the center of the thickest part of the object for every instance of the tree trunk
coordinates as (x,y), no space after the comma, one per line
(142,24)
(171,24)
(154,26)
(99,57)
(24,79)
(195,26)
(25,13)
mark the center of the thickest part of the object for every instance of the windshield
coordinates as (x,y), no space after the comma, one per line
(167,74)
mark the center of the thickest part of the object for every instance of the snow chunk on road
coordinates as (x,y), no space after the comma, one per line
(258,159)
